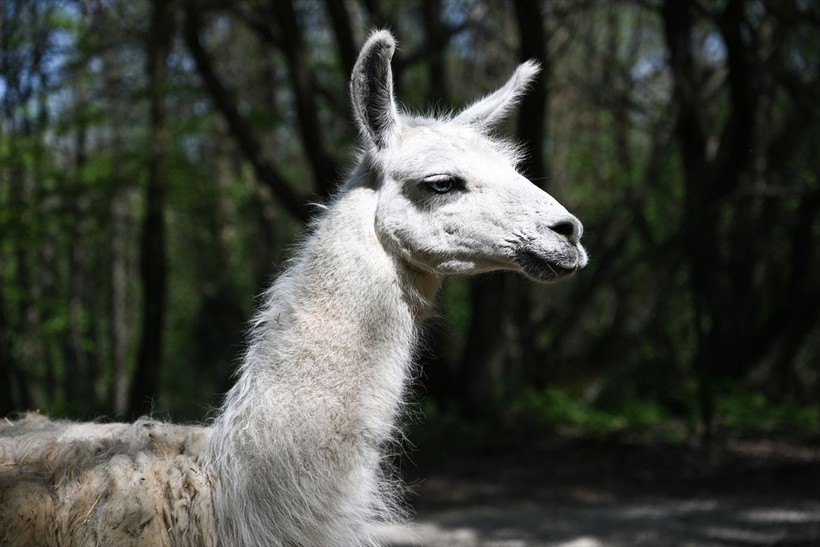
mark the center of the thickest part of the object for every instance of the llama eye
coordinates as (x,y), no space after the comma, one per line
(441,184)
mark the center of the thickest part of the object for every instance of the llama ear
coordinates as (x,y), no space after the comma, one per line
(371,90)
(486,113)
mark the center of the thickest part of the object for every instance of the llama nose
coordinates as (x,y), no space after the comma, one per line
(570,228)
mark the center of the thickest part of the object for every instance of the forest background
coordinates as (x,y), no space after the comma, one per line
(159,158)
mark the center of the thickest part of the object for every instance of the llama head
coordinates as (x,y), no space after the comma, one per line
(450,200)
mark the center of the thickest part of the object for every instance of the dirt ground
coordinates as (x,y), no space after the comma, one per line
(593,493)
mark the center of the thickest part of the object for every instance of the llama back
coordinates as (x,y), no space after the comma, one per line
(65,483)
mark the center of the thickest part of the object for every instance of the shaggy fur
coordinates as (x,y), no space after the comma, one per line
(63,483)
(296,455)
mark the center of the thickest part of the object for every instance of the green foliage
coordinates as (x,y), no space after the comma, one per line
(556,407)
(741,412)
(456,303)
(749,412)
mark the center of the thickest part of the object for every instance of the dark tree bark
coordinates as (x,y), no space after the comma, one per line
(677,18)
(484,351)
(708,180)
(343,32)
(26,312)
(378,18)
(153,258)
(266,172)
(532,117)
(802,303)
(77,381)
(7,365)
(120,329)
(437,37)
(323,166)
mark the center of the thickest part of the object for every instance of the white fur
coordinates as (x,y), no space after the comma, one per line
(488,112)
(296,455)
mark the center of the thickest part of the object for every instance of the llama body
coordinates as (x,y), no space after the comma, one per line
(296,455)
(129,485)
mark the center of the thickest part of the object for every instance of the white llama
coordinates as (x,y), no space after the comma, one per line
(295,456)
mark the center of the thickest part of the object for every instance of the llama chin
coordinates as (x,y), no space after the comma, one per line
(295,456)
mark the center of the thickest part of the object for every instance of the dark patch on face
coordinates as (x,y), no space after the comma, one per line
(420,196)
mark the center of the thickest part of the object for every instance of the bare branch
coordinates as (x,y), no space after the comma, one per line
(266,172)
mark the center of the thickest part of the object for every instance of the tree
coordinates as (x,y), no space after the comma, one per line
(153,259)
(730,310)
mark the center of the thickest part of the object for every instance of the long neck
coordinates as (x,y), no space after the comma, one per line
(302,431)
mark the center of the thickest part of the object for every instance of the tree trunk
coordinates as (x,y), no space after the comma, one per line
(343,32)
(532,118)
(437,39)
(709,179)
(322,164)
(677,19)
(7,364)
(484,351)
(153,259)
(75,375)
(120,329)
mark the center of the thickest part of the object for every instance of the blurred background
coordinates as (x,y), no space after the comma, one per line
(158,160)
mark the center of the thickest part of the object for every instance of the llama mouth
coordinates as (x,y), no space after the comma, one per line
(541,268)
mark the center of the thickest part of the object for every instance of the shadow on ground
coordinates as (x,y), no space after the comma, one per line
(592,493)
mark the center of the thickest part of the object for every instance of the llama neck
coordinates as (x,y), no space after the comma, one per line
(321,384)
(342,321)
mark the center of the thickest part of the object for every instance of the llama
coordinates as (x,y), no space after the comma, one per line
(295,457)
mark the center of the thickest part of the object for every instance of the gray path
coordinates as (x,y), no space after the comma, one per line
(671,522)
(590,494)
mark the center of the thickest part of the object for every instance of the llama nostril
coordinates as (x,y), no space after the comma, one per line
(569,229)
